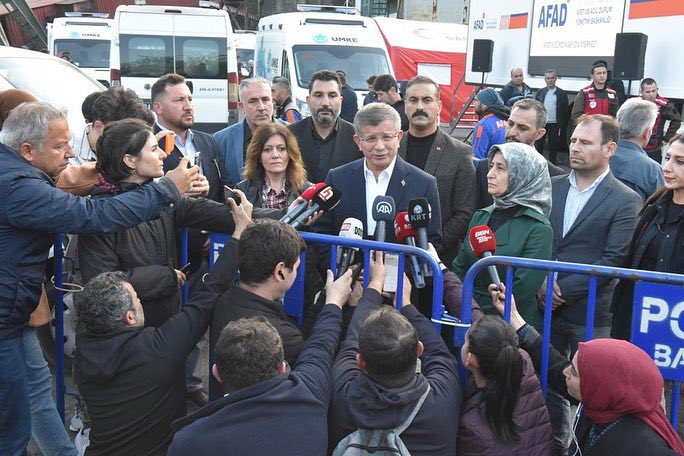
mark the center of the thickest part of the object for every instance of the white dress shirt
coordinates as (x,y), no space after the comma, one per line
(576,200)
(375,188)
(188,149)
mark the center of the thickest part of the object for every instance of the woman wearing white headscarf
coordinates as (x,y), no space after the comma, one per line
(519,183)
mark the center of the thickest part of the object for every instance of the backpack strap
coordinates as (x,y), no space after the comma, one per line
(403,426)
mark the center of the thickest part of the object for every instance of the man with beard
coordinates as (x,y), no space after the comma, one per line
(172,102)
(449,160)
(325,140)
(490,130)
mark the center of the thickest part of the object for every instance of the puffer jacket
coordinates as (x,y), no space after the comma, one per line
(476,437)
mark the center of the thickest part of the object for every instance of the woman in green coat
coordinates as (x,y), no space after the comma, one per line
(519,183)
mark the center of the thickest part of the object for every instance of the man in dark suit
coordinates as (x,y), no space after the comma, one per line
(438,154)
(325,140)
(380,172)
(593,218)
(525,125)
(555,100)
(172,102)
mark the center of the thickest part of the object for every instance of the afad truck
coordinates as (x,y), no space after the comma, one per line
(568,36)
(296,45)
(86,38)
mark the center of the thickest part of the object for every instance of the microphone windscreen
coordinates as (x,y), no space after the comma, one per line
(327,198)
(383,208)
(311,191)
(419,212)
(402,227)
(352,228)
(482,240)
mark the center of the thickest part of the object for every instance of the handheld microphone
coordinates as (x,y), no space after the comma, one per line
(326,199)
(301,207)
(383,213)
(351,229)
(483,243)
(407,235)
(419,215)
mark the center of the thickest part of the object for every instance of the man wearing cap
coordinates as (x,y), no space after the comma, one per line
(491,128)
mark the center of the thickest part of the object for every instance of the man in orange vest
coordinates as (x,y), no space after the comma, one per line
(595,98)
(666,111)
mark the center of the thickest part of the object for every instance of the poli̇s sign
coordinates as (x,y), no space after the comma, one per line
(658,326)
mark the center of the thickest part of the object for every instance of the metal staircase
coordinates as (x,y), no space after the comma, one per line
(21,11)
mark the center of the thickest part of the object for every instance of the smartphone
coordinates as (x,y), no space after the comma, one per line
(185,269)
(169,142)
(229,193)
(391,272)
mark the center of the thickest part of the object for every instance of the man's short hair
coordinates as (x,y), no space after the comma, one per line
(117,103)
(384,83)
(248,351)
(374,114)
(325,75)
(550,70)
(635,116)
(539,110)
(423,80)
(103,303)
(29,123)
(371,80)
(87,106)
(610,129)
(255,80)
(283,83)
(159,87)
(265,244)
(388,343)
(343,77)
(647,81)
(599,64)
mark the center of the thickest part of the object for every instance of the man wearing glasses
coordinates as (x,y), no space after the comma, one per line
(377,128)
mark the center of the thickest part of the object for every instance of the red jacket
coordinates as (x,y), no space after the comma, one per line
(476,437)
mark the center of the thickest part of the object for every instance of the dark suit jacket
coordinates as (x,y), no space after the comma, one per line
(600,235)
(484,199)
(407,182)
(212,165)
(345,149)
(451,162)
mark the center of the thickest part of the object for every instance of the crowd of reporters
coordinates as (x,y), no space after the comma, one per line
(367,369)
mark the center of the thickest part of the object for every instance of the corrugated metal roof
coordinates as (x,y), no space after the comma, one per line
(14,30)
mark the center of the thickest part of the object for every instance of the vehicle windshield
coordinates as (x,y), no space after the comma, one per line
(244,55)
(359,63)
(54,81)
(85,53)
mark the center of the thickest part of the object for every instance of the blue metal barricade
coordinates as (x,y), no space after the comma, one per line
(554,267)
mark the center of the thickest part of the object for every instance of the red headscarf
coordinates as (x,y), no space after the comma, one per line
(618,378)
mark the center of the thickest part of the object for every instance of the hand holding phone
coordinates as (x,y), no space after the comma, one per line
(229,193)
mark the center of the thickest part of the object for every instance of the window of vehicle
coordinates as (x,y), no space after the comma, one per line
(146,56)
(244,55)
(203,58)
(358,63)
(85,53)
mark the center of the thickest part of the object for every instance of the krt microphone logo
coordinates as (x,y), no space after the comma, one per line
(383,207)
(326,193)
(418,214)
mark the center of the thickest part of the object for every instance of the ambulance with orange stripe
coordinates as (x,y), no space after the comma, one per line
(569,35)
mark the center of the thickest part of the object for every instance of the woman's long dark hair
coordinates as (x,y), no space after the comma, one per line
(120,138)
(495,344)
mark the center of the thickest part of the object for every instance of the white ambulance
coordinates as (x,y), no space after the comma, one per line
(86,38)
(296,45)
(151,41)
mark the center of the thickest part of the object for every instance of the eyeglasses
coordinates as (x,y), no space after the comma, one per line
(385,138)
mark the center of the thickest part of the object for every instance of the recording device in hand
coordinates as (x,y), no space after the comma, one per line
(229,193)
(301,207)
(383,213)
(483,243)
(407,235)
(198,162)
(352,228)
(326,199)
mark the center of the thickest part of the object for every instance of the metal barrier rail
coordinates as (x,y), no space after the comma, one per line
(593,271)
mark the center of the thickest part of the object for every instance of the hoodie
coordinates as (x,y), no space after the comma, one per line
(359,402)
(133,381)
(490,130)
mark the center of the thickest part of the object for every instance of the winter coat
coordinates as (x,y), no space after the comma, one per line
(476,437)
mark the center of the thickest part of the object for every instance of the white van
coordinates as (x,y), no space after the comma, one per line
(86,37)
(245,43)
(296,45)
(151,41)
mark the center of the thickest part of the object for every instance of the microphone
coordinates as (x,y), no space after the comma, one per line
(326,199)
(351,229)
(301,207)
(407,235)
(383,213)
(483,243)
(419,215)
